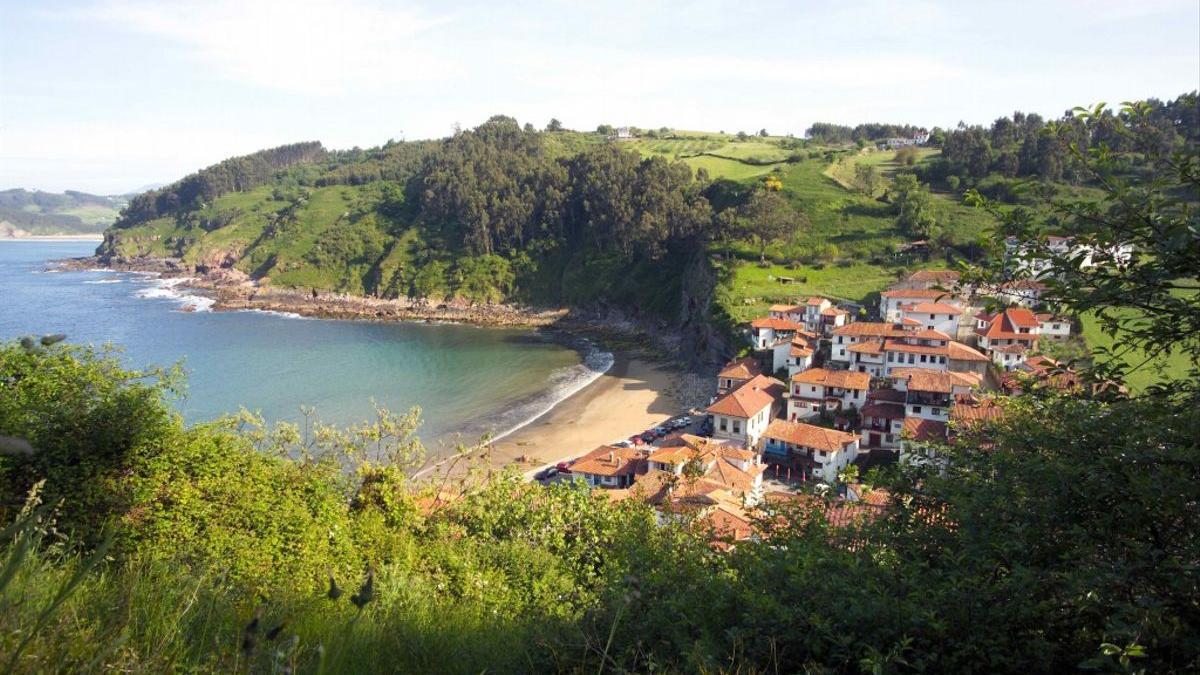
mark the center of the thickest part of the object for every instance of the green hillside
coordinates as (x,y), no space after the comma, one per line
(72,212)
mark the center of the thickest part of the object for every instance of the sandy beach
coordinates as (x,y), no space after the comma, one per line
(633,395)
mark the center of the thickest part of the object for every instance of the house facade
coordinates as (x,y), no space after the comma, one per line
(891,302)
(743,414)
(736,373)
(1008,337)
(822,452)
(819,389)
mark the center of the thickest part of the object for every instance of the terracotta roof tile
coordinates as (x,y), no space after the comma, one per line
(808,435)
(742,369)
(750,398)
(844,379)
(921,430)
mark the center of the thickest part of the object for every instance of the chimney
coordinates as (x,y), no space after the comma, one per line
(612,456)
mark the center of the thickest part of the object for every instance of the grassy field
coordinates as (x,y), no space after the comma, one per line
(1172,365)
(753,289)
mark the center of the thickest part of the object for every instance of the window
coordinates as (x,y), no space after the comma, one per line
(737,427)
(932,317)
(813,389)
(891,356)
(941,359)
(912,359)
(841,352)
(937,411)
(916,408)
(722,426)
(923,358)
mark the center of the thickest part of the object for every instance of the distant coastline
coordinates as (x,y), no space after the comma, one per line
(55,237)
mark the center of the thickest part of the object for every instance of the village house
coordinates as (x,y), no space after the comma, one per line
(877,348)
(800,355)
(818,389)
(744,413)
(1064,248)
(816,451)
(1008,337)
(882,419)
(1039,371)
(929,394)
(939,316)
(716,465)
(892,302)
(736,373)
(610,466)
(1053,327)
(1022,292)
(916,439)
(766,332)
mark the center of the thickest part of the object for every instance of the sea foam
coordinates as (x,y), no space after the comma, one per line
(170,289)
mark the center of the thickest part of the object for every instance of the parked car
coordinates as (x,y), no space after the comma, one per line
(649,437)
(622,444)
(661,431)
(685,421)
(563,467)
(546,474)
(636,440)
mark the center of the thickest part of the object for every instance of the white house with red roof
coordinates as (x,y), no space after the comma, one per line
(939,316)
(744,413)
(929,394)
(1008,337)
(882,419)
(610,466)
(800,354)
(818,389)
(823,452)
(813,307)
(877,348)
(768,331)
(892,302)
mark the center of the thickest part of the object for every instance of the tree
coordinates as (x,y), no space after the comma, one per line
(867,178)
(554,125)
(913,206)
(768,217)
(605,130)
(763,133)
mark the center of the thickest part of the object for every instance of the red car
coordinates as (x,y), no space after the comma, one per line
(563,467)
(636,440)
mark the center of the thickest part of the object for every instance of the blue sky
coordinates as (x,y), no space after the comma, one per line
(110,95)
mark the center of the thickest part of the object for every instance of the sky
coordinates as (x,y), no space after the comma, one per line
(108,96)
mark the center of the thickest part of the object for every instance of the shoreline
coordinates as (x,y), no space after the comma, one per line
(639,390)
(631,396)
(232,290)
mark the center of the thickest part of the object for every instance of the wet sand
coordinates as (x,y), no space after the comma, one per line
(634,395)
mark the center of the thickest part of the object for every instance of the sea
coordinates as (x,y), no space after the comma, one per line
(467,380)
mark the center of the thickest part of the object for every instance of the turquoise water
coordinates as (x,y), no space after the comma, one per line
(467,380)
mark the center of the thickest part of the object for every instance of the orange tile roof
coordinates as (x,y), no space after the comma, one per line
(834,311)
(870,329)
(960,352)
(1005,324)
(798,350)
(934,308)
(816,301)
(742,369)
(749,399)
(972,410)
(921,430)
(783,308)
(892,411)
(940,381)
(866,347)
(844,379)
(775,324)
(808,435)
(610,460)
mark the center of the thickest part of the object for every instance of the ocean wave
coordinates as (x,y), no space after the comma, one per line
(562,382)
(105,281)
(169,289)
(275,312)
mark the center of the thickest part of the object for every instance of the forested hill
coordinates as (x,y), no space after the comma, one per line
(495,213)
(656,226)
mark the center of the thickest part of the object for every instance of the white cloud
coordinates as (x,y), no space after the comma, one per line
(305,46)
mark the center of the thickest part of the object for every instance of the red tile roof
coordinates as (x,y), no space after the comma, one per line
(922,430)
(1005,324)
(934,276)
(940,381)
(960,352)
(610,460)
(817,301)
(870,329)
(750,398)
(892,411)
(934,308)
(775,324)
(742,369)
(843,379)
(808,435)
